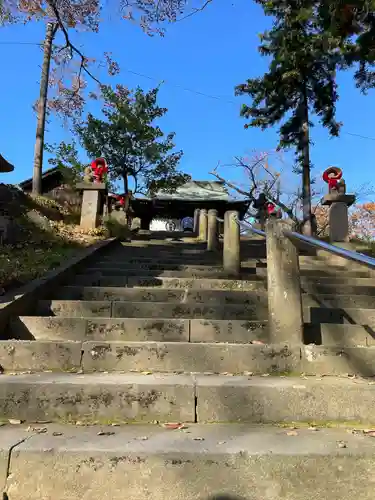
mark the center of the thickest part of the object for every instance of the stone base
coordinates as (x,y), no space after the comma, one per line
(91,202)
(328,199)
(338,222)
(91,186)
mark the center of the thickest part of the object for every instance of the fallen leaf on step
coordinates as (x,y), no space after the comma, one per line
(105,433)
(142,438)
(249,374)
(198,439)
(57,434)
(221,442)
(146,373)
(14,421)
(257,342)
(341,444)
(40,430)
(174,425)
(292,433)
(265,375)
(369,432)
(312,428)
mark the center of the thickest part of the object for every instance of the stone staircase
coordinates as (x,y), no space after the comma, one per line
(154,333)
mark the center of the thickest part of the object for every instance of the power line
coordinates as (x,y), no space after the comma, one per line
(186,89)
(21,43)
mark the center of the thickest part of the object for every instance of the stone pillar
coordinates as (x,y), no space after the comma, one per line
(338,215)
(93,195)
(196,221)
(231,247)
(285,313)
(203,224)
(212,231)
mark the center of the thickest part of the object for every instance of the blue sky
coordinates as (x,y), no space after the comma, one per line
(210,52)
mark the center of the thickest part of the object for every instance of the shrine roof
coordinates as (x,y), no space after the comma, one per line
(196,190)
(5,166)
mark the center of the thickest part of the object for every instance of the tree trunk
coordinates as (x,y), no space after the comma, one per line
(306,182)
(42,106)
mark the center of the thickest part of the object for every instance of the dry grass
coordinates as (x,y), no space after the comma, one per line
(47,235)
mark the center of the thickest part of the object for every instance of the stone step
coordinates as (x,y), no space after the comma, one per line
(225,358)
(135,329)
(174,357)
(249,266)
(339,301)
(348,335)
(340,316)
(157,266)
(254,311)
(123,309)
(177,330)
(240,283)
(134,397)
(249,273)
(331,289)
(184,357)
(208,462)
(255,283)
(208,297)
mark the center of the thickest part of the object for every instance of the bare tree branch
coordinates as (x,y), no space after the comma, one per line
(195,11)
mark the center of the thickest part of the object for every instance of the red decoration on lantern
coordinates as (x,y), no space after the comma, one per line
(99,168)
(270,207)
(332,176)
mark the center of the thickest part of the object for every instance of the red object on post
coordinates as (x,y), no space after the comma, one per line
(332,177)
(270,208)
(99,168)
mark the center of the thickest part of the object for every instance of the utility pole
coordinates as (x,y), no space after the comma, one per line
(42,107)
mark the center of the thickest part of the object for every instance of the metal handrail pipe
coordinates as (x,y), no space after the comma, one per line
(357,257)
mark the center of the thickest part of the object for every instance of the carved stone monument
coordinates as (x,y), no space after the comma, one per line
(338,202)
(94,192)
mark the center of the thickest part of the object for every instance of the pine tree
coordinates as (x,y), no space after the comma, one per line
(352,23)
(300,82)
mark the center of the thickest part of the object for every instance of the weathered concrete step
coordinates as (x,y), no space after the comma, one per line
(248,266)
(187,273)
(208,462)
(147,309)
(117,309)
(177,330)
(276,399)
(163,256)
(184,398)
(164,282)
(178,357)
(328,272)
(331,289)
(100,397)
(340,316)
(339,301)
(225,358)
(208,297)
(131,329)
(330,334)
(155,295)
(175,357)
(157,266)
